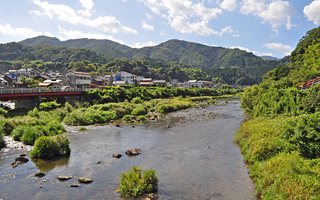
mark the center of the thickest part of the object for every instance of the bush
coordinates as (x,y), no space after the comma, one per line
(139,110)
(137,181)
(30,135)
(50,146)
(137,100)
(18,132)
(141,118)
(2,143)
(82,129)
(126,118)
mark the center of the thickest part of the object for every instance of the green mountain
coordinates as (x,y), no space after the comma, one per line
(269,58)
(194,54)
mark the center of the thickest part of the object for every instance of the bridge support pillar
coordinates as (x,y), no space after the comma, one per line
(28,103)
(72,99)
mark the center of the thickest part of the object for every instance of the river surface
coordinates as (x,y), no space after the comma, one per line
(193,152)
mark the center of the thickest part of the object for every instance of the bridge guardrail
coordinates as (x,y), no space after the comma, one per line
(36,90)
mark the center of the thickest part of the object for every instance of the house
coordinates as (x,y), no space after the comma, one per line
(27,72)
(78,79)
(125,76)
(146,82)
(118,83)
(55,85)
(310,83)
(99,80)
(161,83)
(195,84)
(43,77)
(206,84)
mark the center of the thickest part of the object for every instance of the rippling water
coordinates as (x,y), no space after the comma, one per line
(195,159)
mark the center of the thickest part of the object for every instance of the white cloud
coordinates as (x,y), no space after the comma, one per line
(184,15)
(163,32)
(229,5)
(149,16)
(311,11)
(146,26)
(65,13)
(285,49)
(7,30)
(227,30)
(147,44)
(88,5)
(267,54)
(247,50)
(278,13)
(78,34)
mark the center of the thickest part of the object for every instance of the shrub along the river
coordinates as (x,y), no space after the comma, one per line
(137,181)
(2,142)
(46,147)
(282,140)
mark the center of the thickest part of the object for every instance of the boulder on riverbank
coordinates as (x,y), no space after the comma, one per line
(22,159)
(39,174)
(133,151)
(64,178)
(85,180)
(116,155)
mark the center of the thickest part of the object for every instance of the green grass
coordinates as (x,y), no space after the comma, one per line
(82,129)
(137,181)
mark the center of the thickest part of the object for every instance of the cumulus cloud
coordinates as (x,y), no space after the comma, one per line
(229,5)
(147,26)
(311,11)
(229,30)
(8,30)
(88,5)
(247,50)
(74,34)
(147,44)
(278,13)
(149,16)
(285,49)
(67,14)
(184,15)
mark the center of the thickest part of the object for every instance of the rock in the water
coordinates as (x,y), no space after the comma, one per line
(22,159)
(116,155)
(40,174)
(152,196)
(133,151)
(85,180)
(117,125)
(75,185)
(111,121)
(23,154)
(64,178)
(98,162)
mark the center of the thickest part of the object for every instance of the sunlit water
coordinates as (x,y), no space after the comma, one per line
(196,158)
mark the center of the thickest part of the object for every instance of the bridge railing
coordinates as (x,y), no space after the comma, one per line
(38,90)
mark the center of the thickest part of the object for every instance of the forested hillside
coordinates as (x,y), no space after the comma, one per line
(194,54)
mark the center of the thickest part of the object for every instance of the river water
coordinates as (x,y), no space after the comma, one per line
(193,152)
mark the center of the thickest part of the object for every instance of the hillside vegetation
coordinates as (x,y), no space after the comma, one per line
(281,140)
(193,54)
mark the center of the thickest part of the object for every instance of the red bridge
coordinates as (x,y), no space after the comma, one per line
(31,97)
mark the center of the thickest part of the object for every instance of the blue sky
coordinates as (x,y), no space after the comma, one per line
(263,27)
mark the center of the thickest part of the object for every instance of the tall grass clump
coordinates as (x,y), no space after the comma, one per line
(46,147)
(137,181)
(2,142)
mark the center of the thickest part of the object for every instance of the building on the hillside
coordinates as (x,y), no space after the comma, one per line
(99,80)
(43,77)
(206,84)
(118,83)
(146,82)
(310,83)
(161,83)
(78,79)
(27,72)
(54,85)
(195,84)
(125,76)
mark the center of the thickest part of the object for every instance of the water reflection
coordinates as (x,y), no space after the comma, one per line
(46,165)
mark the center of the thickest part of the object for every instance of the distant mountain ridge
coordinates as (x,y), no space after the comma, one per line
(269,58)
(194,54)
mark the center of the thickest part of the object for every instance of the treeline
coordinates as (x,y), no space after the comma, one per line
(282,138)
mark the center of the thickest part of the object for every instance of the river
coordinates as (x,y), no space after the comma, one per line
(193,152)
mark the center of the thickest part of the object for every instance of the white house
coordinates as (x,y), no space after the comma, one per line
(78,79)
(125,76)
